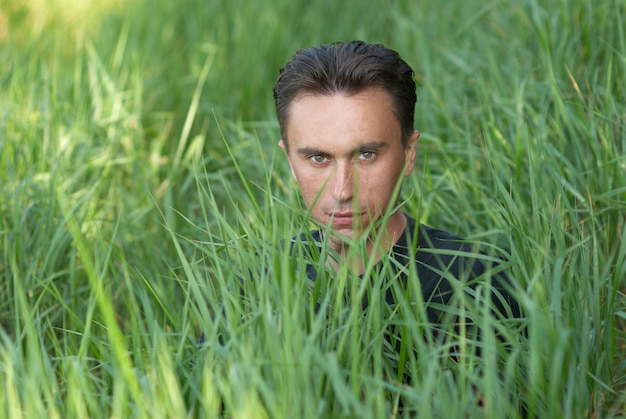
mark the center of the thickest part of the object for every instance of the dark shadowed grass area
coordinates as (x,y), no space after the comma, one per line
(140,177)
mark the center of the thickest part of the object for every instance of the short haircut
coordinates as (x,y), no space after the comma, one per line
(347,68)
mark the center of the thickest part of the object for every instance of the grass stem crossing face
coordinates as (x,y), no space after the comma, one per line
(347,155)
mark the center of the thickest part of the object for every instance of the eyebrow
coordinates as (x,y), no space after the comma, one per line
(374,145)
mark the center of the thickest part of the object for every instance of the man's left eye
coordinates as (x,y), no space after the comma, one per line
(366,155)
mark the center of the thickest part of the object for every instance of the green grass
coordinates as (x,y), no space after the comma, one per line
(140,176)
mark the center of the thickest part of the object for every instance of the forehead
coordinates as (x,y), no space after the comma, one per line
(342,119)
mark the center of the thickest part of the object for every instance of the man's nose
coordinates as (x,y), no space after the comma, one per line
(342,182)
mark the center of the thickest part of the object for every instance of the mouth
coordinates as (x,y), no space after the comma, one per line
(344,218)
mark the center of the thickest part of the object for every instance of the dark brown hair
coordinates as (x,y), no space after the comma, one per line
(348,68)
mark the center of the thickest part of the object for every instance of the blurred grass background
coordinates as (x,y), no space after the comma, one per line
(138,141)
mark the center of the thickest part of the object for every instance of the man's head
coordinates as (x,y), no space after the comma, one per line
(346,116)
(346,68)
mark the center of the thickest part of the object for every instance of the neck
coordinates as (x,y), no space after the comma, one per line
(377,245)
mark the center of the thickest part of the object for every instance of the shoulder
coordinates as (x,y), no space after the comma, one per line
(430,237)
(436,251)
(310,241)
(421,236)
(305,249)
(440,256)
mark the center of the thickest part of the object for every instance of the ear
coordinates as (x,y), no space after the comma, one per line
(410,152)
(283,145)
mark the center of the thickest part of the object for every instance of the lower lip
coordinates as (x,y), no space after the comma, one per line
(346,220)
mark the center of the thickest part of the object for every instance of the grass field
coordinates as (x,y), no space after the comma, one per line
(140,176)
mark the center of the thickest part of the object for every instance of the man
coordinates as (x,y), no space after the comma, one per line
(346,114)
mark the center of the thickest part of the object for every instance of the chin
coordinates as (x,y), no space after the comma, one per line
(347,233)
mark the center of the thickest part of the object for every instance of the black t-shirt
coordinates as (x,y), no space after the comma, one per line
(440,260)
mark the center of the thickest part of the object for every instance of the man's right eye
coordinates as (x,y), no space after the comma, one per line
(318,159)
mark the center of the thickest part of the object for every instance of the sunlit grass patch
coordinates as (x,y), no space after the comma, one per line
(34,18)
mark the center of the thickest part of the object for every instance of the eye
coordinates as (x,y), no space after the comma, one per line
(367,155)
(318,159)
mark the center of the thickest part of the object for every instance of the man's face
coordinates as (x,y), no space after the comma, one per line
(347,156)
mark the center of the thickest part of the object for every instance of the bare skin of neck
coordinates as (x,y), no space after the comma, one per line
(392,229)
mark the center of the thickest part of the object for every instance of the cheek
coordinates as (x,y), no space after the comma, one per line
(378,186)
(310,186)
